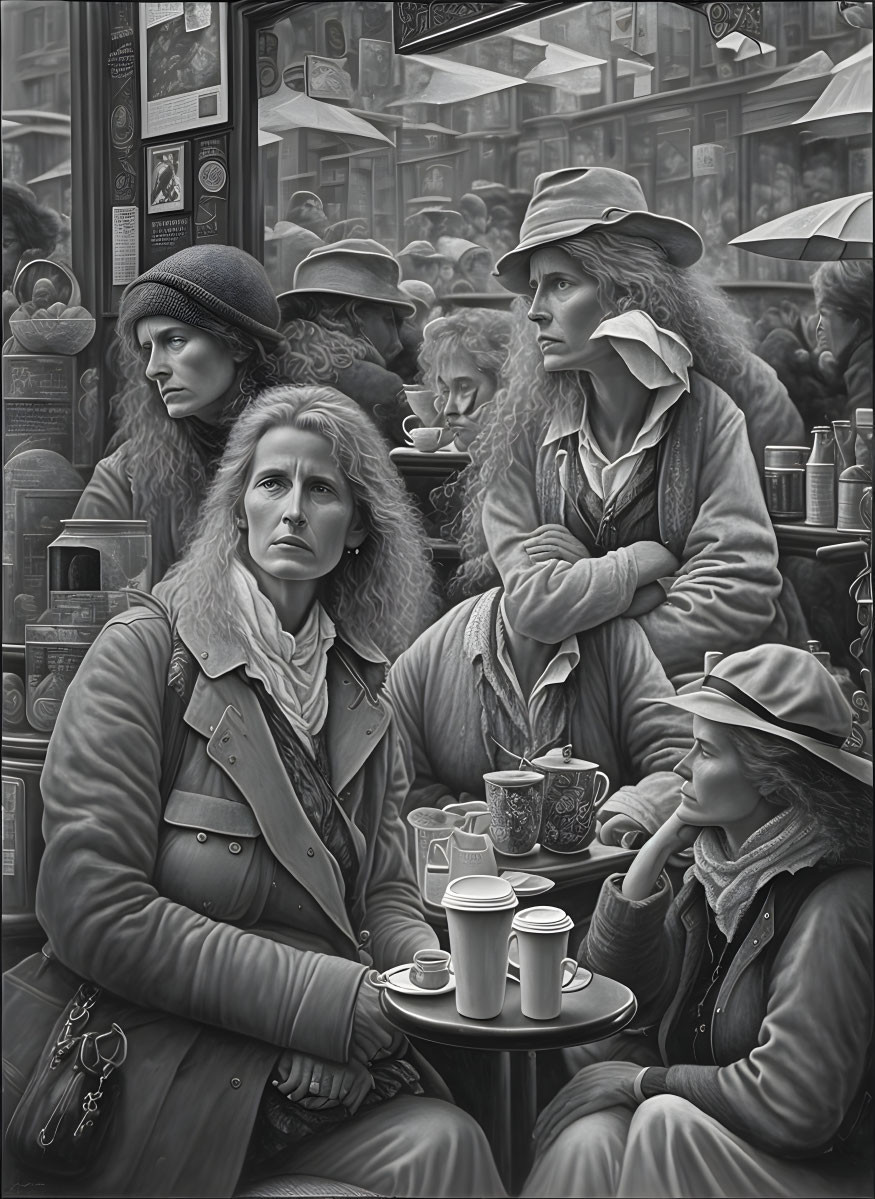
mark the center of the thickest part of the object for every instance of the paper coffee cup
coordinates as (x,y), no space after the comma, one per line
(479,915)
(542,937)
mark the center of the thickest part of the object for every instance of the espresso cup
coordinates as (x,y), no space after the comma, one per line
(541,935)
(426,439)
(479,915)
(516,800)
(573,791)
(430,969)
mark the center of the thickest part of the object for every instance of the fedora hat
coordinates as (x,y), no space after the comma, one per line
(579,199)
(355,268)
(783,691)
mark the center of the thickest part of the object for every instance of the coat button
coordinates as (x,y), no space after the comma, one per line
(235,1083)
(204,654)
(717,1011)
(235,847)
(756,941)
(368,732)
(231,760)
(310,852)
(702,1027)
(765,916)
(202,837)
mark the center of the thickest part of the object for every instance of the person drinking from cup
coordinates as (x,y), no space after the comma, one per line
(615,476)
(243,909)
(749,1071)
(197,336)
(472,695)
(342,318)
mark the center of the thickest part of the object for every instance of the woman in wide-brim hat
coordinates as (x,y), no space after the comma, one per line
(197,337)
(755,981)
(342,319)
(616,477)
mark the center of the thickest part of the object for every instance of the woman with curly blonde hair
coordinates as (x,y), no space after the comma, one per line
(190,357)
(615,477)
(223,840)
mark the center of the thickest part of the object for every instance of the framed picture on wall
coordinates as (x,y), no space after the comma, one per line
(183,66)
(165,176)
(436,179)
(673,154)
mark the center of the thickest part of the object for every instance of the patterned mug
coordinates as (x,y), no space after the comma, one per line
(515,799)
(573,793)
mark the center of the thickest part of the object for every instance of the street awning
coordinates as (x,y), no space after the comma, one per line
(301,112)
(845,106)
(453,82)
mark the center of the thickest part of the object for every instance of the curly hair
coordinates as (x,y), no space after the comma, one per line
(325,337)
(166,465)
(786,775)
(36,227)
(385,591)
(484,333)
(846,285)
(630,275)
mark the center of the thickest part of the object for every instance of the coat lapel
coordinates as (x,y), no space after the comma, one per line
(357,717)
(226,712)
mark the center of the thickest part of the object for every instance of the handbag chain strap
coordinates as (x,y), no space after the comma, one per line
(78,1016)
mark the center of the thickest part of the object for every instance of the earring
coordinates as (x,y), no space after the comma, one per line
(354,552)
(241,523)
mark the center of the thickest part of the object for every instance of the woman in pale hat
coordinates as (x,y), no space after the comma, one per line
(747,1070)
(617,478)
(197,337)
(342,319)
(843,294)
(419,260)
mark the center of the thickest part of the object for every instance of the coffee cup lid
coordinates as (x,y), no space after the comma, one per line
(479,892)
(561,759)
(514,778)
(542,920)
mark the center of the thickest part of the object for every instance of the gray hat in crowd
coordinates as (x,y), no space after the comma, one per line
(200,282)
(578,200)
(421,250)
(356,269)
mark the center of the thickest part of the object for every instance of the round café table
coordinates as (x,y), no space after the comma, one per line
(599,1010)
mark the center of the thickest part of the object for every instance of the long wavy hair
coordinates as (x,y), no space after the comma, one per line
(631,275)
(385,591)
(165,455)
(325,337)
(484,333)
(787,776)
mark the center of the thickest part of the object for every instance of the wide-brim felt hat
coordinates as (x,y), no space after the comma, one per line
(785,692)
(579,200)
(356,269)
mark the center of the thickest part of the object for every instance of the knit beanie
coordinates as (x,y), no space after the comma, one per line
(202,282)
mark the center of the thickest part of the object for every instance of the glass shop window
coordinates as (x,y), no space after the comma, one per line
(356,141)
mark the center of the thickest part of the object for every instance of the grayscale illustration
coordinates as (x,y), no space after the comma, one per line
(437,600)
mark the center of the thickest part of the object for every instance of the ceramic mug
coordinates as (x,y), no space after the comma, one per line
(516,799)
(430,969)
(573,791)
(426,439)
(430,824)
(462,853)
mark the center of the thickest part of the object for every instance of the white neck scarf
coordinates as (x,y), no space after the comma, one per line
(293,669)
(790,841)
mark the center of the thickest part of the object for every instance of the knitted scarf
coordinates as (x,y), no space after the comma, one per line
(788,842)
(292,669)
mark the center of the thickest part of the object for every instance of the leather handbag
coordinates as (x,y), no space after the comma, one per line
(66,1110)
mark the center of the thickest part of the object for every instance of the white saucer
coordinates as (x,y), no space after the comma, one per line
(527,884)
(398,979)
(582,979)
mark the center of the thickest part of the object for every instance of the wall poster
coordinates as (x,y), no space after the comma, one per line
(183,66)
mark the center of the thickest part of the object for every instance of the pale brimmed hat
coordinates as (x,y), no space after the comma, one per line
(785,692)
(581,199)
(422,250)
(422,295)
(356,269)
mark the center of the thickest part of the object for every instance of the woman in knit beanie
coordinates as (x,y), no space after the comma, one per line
(197,338)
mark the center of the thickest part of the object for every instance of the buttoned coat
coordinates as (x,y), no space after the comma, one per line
(164,907)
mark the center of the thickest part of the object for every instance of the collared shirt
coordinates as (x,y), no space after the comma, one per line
(660,360)
(564,661)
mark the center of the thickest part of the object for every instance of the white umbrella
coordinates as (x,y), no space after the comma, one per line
(300,112)
(860,56)
(744,47)
(824,232)
(844,107)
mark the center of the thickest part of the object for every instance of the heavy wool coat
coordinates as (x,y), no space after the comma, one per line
(712,516)
(613,720)
(163,908)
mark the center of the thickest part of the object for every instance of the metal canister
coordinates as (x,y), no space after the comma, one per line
(853,483)
(785,455)
(785,492)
